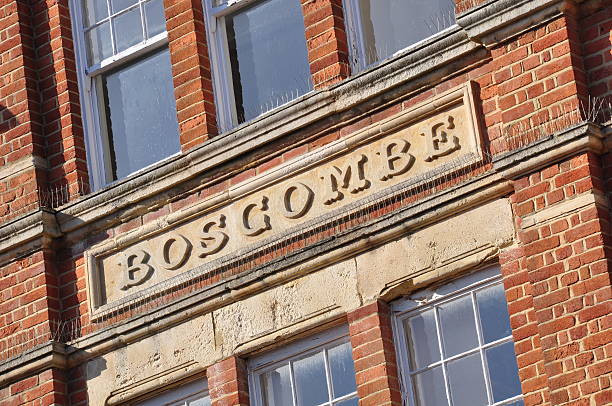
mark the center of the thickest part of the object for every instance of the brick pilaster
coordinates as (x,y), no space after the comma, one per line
(228,383)
(374,355)
(20,122)
(59,93)
(190,72)
(524,323)
(566,259)
(326,41)
(596,41)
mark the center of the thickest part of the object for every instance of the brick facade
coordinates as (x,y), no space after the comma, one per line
(558,285)
(531,85)
(191,72)
(374,355)
(227,383)
(326,41)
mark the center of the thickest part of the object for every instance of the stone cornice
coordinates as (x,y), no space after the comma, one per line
(316,256)
(320,112)
(582,137)
(36,360)
(36,225)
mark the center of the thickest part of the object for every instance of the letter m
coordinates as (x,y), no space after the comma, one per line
(351,178)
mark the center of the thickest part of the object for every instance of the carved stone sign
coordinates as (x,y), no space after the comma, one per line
(414,142)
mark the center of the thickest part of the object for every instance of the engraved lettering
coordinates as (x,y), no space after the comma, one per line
(136,268)
(439,142)
(351,178)
(297,200)
(175,251)
(397,160)
(212,241)
(254,220)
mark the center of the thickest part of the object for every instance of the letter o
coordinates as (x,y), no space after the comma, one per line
(183,248)
(307,195)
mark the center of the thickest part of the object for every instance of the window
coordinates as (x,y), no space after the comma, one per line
(455,344)
(192,394)
(315,371)
(126,81)
(380,28)
(259,56)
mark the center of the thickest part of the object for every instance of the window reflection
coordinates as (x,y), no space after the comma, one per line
(390,25)
(268,57)
(140,114)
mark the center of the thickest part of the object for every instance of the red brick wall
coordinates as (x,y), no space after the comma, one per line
(556,279)
(376,370)
(59,94)
(228,383)
(44,389)
(562,269)
(464,5)
(20,122)
(191,72)
(523,320)
(326,41)
(29,305)
(538,78)
(596,35)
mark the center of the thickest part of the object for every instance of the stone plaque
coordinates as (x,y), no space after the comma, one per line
(427,138)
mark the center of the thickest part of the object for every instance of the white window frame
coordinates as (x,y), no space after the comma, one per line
(221,70)
(356,42)
(425,300)
(293,352)
(178,396)
(96,135)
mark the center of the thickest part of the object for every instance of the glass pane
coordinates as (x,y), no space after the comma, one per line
(95,10)
(141,113)
(268,57)
(204,401)
(503,371)
(349,402)
(429,388)
(98,43)
(118,5)
(156,21)
(391,25)
(457,324)
(423,338)
(467,384)
(127,28)
(342,370)
(276,387)
(310,380)
(493,312)
(515,403)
